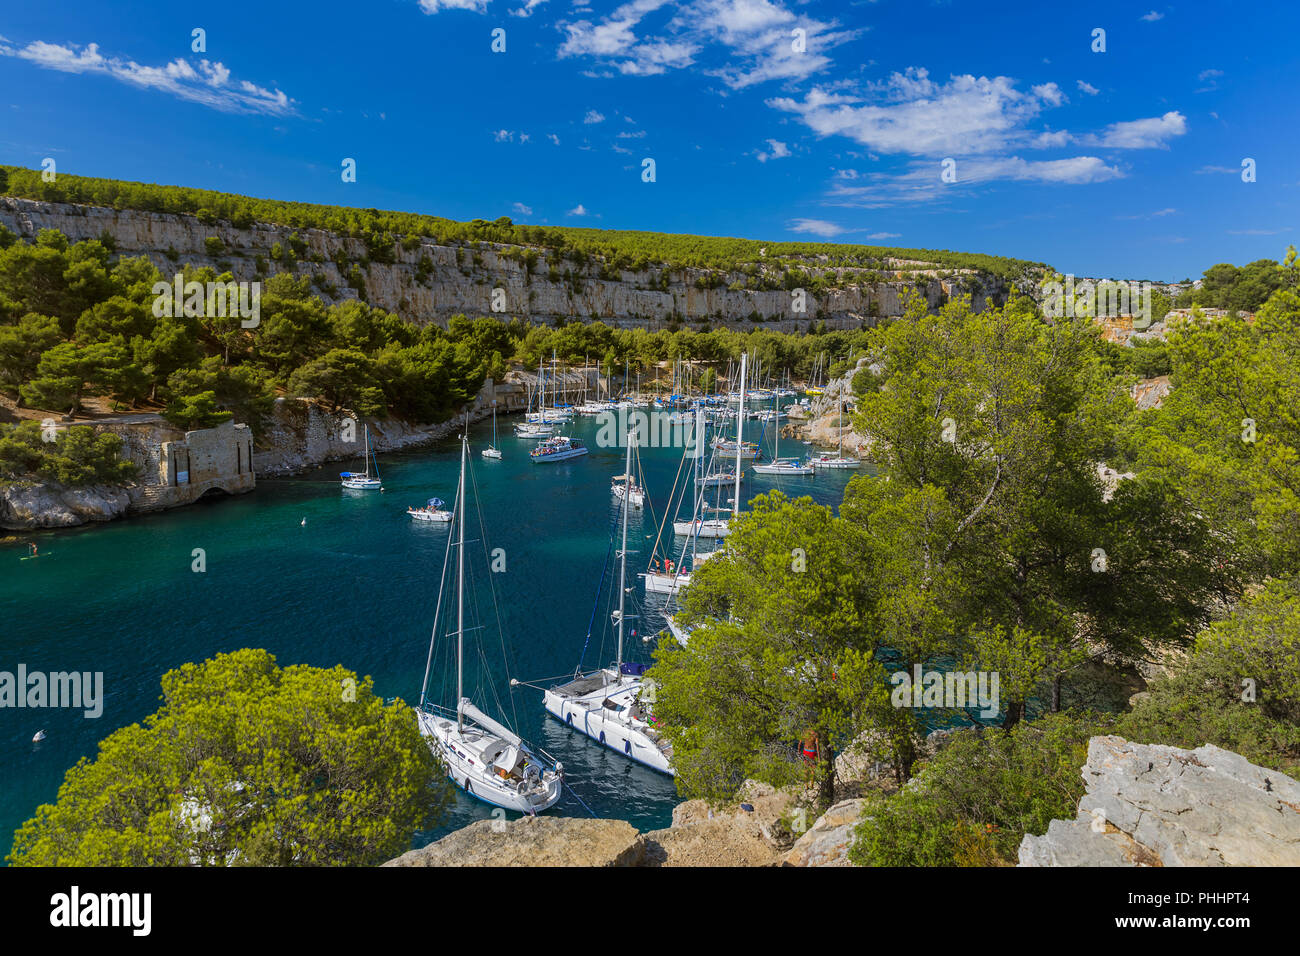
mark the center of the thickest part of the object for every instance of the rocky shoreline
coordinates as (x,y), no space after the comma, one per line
(1146,805)
(302,436)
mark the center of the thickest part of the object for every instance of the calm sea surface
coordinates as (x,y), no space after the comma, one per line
(357,585)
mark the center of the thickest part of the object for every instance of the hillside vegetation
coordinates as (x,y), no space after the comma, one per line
(381,229)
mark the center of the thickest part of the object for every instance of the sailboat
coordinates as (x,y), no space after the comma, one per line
(671,578)
(782,466)
(836,461)
(481,755)
(364,481)
(613,705)
(492,451)
(700,526)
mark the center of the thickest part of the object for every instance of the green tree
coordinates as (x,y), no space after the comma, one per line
(783,650)
(246,763)
(195,411)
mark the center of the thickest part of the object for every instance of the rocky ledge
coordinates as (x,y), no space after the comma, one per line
(27,506)
(1149,805)
(756,831)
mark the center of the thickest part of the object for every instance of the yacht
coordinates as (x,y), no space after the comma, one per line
(481,755)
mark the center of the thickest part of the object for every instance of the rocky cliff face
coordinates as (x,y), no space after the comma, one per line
(30,506)
(461,279)
(1150,805)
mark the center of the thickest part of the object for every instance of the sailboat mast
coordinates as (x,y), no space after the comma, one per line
(460,591)
(622,564)
(740,429)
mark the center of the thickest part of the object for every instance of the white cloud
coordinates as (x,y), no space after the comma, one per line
(639,134)
(521,210)
(778,149)
(1051,140)
(1087,88)
(593,117)
(527,9)
(204,82)
(1208,74)
(1152,17)
(504,136)
(910,113)
(1050,94)
(553,138)
(755,38)
(884,235)
(435,6)
(817,227)
(922,183)
(614,39)
(578,210)
(1151,133)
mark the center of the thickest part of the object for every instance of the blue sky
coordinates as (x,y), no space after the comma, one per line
(1123,163)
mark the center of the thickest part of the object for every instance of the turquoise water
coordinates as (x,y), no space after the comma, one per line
(357,586)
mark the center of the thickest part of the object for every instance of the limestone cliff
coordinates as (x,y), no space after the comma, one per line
(460,279)
(1151,805)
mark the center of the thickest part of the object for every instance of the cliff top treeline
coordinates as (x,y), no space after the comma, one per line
(380,229)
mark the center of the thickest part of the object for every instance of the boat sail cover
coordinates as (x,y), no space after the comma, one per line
(487,723)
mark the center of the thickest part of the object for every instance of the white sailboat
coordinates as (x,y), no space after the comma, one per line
(778,466)
(364,481)
(825,461)
(613,705)
(700,526)
(493,451)
(626,486)
(484,757)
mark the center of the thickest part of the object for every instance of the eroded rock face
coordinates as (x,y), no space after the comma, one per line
(533,841)
(1150,805)
(26,507)
(827,841)
(461,279)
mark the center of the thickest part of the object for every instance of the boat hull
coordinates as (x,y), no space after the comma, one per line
(475,778)
(586,715)
(657,582)
(709,528)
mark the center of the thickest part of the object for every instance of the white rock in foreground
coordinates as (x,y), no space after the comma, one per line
(1150,805)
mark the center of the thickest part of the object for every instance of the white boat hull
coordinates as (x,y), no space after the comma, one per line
(658,582)
(362,484)
(476,778)
(706,528)
(833,463)
(587,714)
(493,453)
(439,516)
(559,455)
(792,470)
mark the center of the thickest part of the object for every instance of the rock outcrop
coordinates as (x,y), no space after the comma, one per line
(827,841)
(533,841)
(29,506)
(1150,805)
